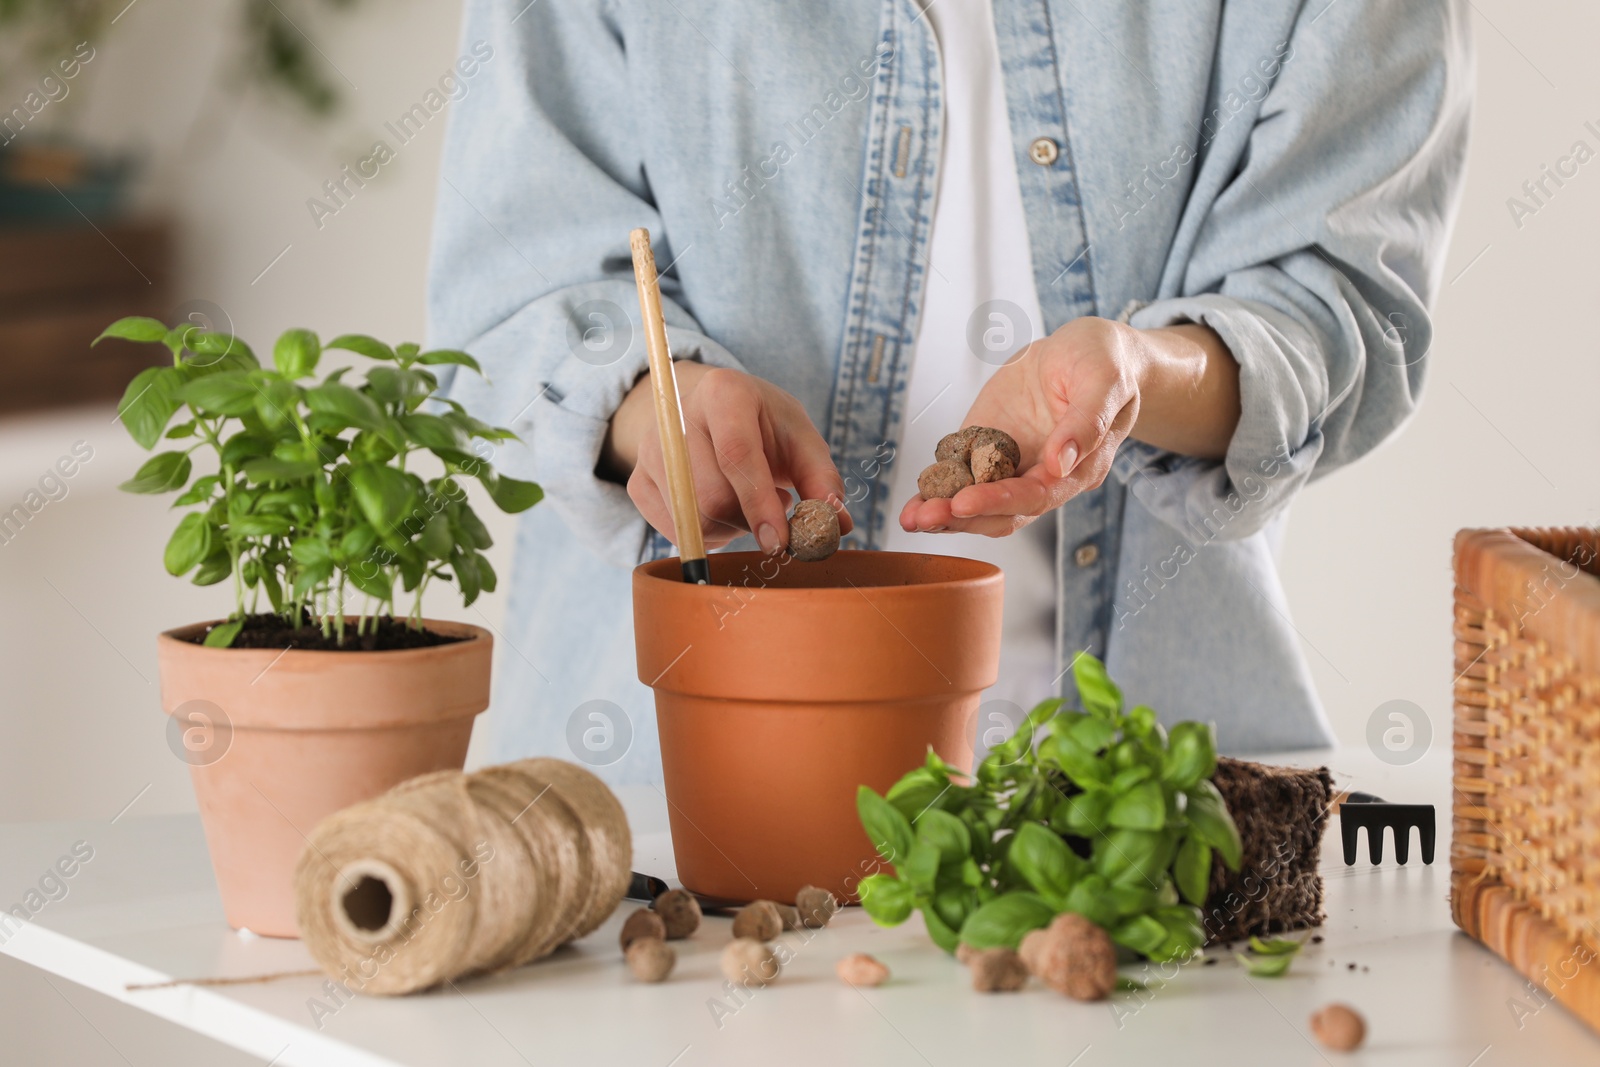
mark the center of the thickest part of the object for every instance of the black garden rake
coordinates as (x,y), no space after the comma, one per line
(1357,810)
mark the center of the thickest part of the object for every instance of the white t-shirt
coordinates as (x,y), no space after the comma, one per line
(980,307)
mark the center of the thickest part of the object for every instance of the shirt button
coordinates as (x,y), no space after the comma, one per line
(1085,555)
(1044,151)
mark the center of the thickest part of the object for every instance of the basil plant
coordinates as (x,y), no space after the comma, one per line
(1101,812)
(309,490)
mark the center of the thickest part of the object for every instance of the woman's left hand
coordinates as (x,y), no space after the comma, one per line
(1071,399)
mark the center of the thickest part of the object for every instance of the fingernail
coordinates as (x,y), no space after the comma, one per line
(769,539)
(1068,458)
(936,529)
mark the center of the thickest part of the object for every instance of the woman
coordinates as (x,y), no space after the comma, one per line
(1220,226)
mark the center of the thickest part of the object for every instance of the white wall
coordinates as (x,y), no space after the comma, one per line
(1508,433)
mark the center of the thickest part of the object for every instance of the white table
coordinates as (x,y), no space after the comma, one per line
(145,909)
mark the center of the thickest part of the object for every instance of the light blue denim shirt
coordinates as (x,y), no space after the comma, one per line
(1283,172)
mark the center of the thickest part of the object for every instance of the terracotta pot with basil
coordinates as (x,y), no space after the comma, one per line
(319,504)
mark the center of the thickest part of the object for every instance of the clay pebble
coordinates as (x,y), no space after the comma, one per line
(997,970)
(991,463)
(815,906)
(1339,1027)
(650,960)
(860,969)
(748,962)
(943,480)
(679,911)
(1072,956)
(955,446)
(642,924)
(975,454)
(759,921)
(813,531)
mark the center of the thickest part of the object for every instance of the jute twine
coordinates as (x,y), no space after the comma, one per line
(452,874)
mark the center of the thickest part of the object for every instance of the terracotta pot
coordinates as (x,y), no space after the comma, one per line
(783,686)
(276,741)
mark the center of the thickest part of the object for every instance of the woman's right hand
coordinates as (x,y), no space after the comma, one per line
(749,443)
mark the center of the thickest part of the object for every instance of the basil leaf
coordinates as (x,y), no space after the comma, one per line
(1091,899)
(1082,765)
(1209,820)
(1128,900)
(265,524)
(149,403)
(953,904)
(1020,744)
(1191,755)
(199,492)
(887,829)
(445,355)
(216,567)
(346,405)
(1185,933)
(1085,814)
(886,900)
(245,445)
(435,538)
(1144,807)
(472,529)
(1003,922)
(939,931)
(921,868)
(310,551)
(1091,733)
(134,328)
(286,472)
(190,543)
(361,344)
(1265,966)
(917,791)
(1142,933)
(1133,857)
(1278,946)
(222,635)
(296,353)
(313,575)
(218,351)
(1129,777)
(226,393)
(373,581)
(384,494)
(1192,870)
(1099,694)
(946,833)
(161,473)
(509,494)
(1142,721)
(1044,861)
(431,431)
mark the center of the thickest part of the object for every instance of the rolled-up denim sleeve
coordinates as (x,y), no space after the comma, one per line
(530,269)
(1317,259)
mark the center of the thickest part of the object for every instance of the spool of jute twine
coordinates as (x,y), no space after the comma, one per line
(453,874)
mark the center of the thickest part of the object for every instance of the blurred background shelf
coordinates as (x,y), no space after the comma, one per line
(59,287)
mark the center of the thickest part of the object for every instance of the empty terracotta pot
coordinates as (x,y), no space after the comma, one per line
(783,686)
(276,741)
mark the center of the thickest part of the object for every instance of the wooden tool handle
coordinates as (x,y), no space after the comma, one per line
(669,415)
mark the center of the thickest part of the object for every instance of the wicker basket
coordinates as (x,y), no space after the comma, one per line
(1525,847)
